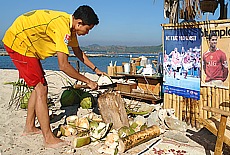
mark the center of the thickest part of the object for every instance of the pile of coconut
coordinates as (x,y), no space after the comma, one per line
(89,128)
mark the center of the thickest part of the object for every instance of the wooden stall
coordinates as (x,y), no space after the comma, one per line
(150,85)
(191,110)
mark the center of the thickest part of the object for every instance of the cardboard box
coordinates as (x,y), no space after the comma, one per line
(126,87)
(150,89)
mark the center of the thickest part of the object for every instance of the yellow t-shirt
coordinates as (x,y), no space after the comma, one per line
(41,33)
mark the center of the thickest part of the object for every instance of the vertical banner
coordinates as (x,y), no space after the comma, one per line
(215,55)
(182,56)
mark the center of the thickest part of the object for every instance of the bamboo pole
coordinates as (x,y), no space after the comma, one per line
(192,112)
(188,120)
(184,109)
(201,108)
(165,100)
(217,98)
(213,97)
(170,101)
(209,100)
(177,106)
(205,113)
(227,99)
(174,102)
(197,124)
(201,102)
(138,138)
(181,104)
(221,98)
(224,99)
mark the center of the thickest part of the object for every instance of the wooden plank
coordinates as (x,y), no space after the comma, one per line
(212,128)
(220,135)
(152,98)
(216,110)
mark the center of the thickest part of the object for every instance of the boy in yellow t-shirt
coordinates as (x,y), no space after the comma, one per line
(37,35)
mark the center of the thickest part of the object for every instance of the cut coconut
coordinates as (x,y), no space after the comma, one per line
(81,141)
(83,123)
(101,131)
(67,130)
(71,120)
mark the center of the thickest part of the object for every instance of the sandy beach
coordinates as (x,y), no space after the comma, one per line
(200,142)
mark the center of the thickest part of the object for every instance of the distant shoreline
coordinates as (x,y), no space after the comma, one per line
(4,53)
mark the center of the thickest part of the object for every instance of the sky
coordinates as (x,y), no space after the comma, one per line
(121,22)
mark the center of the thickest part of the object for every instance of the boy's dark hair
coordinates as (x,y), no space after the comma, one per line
(211,34)
(87,15)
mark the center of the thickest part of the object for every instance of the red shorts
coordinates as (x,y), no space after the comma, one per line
(30,69)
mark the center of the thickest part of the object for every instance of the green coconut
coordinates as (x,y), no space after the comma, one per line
(93,124)
(70,97)
(143,127)
(124,131)
(134,125)
(24,100)
(87,100)
(81,141)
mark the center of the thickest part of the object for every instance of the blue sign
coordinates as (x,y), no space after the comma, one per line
(182,62)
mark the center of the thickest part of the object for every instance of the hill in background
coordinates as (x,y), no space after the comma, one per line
(117,49)
(123,49)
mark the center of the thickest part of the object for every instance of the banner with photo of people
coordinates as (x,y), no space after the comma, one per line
(182,56)
(215,55)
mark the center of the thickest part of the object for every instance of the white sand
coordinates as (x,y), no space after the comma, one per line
(12,125)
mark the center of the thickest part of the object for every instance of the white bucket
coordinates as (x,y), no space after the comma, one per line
(127,68)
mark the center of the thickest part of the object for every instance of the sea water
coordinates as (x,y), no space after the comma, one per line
(102,62)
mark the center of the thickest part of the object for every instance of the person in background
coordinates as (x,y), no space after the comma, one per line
(176,63)
(187,65)
(215,63)
(39,34)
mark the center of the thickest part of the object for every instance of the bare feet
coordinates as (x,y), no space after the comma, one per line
(33,131)
(57,144)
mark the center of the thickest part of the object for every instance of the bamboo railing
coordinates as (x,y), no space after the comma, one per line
(190,110)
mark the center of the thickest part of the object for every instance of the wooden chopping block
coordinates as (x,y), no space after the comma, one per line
(112,109)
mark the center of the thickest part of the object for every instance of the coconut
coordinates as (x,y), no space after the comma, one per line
(25,99)
(83,123)
(71,120)
(81,141)
(101,131)
(70,97)
(86,100)
(67,130)
(93,124)
(143,127)
(124,131)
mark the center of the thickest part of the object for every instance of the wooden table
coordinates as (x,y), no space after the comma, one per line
(147,83)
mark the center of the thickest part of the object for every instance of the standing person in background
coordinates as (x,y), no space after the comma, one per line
(187,65)
(176,63)
(37,35)
(215,63)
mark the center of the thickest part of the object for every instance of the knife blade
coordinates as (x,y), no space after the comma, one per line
(106,86)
